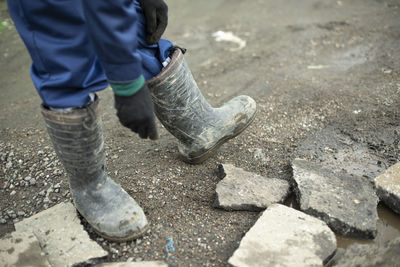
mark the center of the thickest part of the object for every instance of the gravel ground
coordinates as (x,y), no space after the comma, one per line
(309,64)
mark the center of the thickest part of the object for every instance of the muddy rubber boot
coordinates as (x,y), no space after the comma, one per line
(185,113)
(78,141)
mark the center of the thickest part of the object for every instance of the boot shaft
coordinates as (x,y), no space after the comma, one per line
(78,141)
(176,95)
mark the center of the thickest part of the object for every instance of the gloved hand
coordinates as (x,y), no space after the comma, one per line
(136,112)
(156,14)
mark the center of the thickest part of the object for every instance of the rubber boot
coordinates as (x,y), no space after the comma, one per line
(186,114)
(78,141)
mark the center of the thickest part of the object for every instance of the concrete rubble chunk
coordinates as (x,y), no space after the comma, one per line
(134,264)
(387,254)
(62,237)
(283,236)
(348,204)
(242,190)
(388,187)
(338,152)
(21,249)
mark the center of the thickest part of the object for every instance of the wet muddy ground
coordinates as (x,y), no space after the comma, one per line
(309,64)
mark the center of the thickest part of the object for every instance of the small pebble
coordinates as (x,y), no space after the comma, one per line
(114,251)
(20,213)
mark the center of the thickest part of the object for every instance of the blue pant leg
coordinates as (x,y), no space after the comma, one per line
(118,30)
(65,68)
(152,55)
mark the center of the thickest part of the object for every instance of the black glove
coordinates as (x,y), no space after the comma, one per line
(136,112)
(156,14)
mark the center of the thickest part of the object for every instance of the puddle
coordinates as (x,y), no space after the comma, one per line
(388,227)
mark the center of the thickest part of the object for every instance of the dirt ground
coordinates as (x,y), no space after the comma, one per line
(308,64)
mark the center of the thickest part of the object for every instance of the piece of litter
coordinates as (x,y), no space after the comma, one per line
(387,71)
(357,111)
(317,67)
(221,36)
(169,248)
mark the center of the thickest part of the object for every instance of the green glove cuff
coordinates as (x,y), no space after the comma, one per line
(128,89)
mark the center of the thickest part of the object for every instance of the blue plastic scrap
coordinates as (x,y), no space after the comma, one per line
(169,248)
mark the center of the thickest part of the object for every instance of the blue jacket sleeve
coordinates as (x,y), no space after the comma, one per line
(113,26)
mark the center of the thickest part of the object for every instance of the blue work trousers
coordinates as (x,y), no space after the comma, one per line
(77,45)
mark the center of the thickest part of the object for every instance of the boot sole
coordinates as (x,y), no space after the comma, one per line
(209,153)
(123,239)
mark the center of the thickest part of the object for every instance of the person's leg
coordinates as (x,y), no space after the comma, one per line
(78,141)
(180,105)
(186,114)
(65,69)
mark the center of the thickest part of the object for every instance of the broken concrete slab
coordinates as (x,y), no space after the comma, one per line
(387,254)
(62,237)
(286,237)
(242,190)
(348,204)
(134,264)
(388,187)
(338,152)
(21,249)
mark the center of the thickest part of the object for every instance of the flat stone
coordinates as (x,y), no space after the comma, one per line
(62,237)
(134,264)
(388,187)
(283,236)
(387,254)
(21,249)
(339,152)
(242,190)
(348,204)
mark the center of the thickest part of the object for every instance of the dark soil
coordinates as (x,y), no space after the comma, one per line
(309,64)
